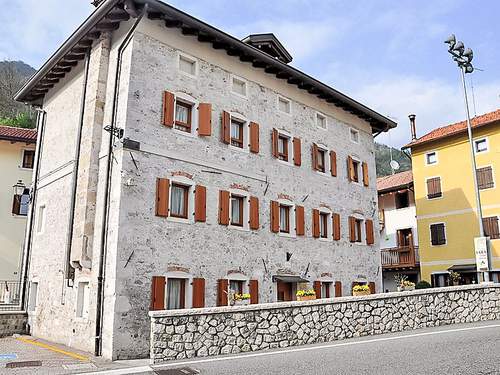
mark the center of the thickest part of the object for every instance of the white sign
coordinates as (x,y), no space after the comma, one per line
(481,249)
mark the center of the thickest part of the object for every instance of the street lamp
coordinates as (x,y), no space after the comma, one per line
(19,188)
(463,57)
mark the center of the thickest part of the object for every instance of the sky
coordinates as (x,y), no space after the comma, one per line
(387,54)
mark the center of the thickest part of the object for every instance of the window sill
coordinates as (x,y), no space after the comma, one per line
(186,134)
(179,220)
(288,163)
(326,239)
(241,229)
(26,169)
(243,150)
(287,235)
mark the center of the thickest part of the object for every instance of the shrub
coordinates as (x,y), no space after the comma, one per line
(423,285)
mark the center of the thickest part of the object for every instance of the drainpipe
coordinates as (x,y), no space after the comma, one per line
(41,119)
(130,8)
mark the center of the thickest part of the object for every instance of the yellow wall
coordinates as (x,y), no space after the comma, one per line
(12,227)
(457,207)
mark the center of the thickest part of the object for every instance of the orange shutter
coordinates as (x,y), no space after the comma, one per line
(352,229)
(224,207)
(157,293)
(200,203)
(275,217)
(365,174)
(371,285)
(274,143)
(333,163)
(314,156)
(168,108)
(205,119)
(350,169)
(299,221)
(317,288)
(315,223)
(253,287)
(297,152)
(226,127)
(198,292)
(222,292)
(254,137)
(336,226)
(338,289)
(369,232)
(254,213)
(162,191)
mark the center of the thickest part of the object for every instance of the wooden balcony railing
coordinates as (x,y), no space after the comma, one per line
(399,257)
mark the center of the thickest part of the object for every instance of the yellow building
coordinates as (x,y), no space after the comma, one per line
(17,156)
(446,205)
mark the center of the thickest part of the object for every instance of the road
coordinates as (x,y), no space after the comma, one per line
(458,349)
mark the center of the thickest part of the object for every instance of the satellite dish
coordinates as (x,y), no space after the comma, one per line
(394,165)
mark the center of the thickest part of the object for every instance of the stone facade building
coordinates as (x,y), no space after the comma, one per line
(179,160)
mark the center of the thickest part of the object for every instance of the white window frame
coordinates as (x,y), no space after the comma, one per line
(359,170)
(445,234)
(236,277)
(329,226)
(246,132)
(492,176)
(354,131)
(476,141)
(183,97)
(427,158)
(188,279)
(427,188)
(41,218)
(246,209)
(286,134)
(182,180)
(241,80)
(82,303)
(327,172)
(293,229)
(363,230)
(319,116)
(33,298)
(281,98)
(189,58)
(22,159)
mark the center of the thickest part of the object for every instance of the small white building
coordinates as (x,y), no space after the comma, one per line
(398,229)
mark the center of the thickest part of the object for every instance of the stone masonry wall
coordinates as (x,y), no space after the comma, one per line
(213,331)
(12,322)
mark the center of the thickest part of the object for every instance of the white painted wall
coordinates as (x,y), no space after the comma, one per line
(396,219)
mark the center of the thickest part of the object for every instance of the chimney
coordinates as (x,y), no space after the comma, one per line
(412,127)
(96,3)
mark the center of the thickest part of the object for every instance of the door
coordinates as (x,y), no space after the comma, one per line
(405,238)
(284,291)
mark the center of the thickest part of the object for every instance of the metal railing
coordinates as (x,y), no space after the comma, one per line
(404,256)
(10,295)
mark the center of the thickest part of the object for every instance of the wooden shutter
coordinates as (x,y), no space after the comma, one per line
(317,288)
(371,285)
(162,192)
(205,119)
(198,292)
(168,109)
(491,228)
(336,226)
(366,178)
(350,169)
(297,152)
(157,293)
(226,127)
(254,213)
(338,289)
(485,178)
(253,287)
(352,229)
(200,203)
(434,187)
(314,156)
(254,137)
(315,223)
(369,232)
(333,163)
(274,142)
(299,221)
(275,217)
(222,292)
(224,207)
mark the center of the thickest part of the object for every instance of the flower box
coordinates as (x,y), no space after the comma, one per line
(360,293)
(305,298)
(241,302)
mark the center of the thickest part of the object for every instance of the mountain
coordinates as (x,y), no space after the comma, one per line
(21,67)
(383,159)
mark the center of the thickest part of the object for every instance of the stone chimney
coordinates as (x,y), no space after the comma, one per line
(413,127)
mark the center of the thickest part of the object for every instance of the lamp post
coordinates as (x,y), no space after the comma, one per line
(463,57)
(19,188)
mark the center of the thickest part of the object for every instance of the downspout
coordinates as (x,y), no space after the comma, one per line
(41,119)
(109,169)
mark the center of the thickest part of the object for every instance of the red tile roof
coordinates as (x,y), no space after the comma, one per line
(456,128)
(9,133)
(395,181)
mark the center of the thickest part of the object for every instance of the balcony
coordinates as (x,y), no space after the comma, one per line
(400,257)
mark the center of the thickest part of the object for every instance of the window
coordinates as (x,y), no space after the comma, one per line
(325,289)
(283,147)
(434,188)
(176,293)
(491,229)
(187,65)
(82,300)
(438,234)
(481,145)
(20,203)
(354,134)
(402,199)
(237,210)
(239,86)
(323,224)
(33,298)
(183,115)
(355,170)
(284,105)
(485,178)
(179,199)
(320,121)
(236,286)
(236,133)
(321,160)
(284,219)
(28,159)
(357,229)
(431,158)
(41,219)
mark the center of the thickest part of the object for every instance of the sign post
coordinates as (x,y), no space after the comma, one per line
(481,250)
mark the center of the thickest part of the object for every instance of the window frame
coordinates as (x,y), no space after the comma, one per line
(23,154)
(427,188)
(241,139)
(483,139)
(245,132)
(427,158)
(187,100)
(190,184)
(285,140)
(358,229)
(185,197)
(444,232)
(190,59)
(188,124)
(282,99)
(185,282)
(241,201)
(492,177)
(287,229)
(354,131)
(241,80)
(82,300)
(325,224)
(318,117)
(356,164)
(397,194)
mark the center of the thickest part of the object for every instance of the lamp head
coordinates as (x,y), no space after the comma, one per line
(459,47)
(468,54)
(451,40)
(469,68)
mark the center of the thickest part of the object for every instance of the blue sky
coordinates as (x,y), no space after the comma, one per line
(388,54)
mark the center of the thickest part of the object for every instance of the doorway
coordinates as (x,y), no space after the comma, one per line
(284,291)
(405,237)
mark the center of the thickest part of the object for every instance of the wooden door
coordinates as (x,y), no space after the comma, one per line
(284,291)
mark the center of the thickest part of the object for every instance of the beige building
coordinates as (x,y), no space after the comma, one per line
(17,152)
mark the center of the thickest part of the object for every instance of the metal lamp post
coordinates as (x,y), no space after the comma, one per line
(463,57)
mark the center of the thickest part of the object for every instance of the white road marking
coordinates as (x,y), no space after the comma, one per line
(292,350)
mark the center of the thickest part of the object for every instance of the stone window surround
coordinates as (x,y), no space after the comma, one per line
(246,132)
(359,216)
(76,288)
(182,180)
(357,159)
(194,113)
(317,118)
(246,209)
(476,141)
(281,98)
(233,78)
(351,132)
(293,230)
(187,57)
(427,158)
(289,136)
(188,296)
(237,276)
(325,149)
(329,226)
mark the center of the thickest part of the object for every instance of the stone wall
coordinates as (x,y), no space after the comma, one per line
(223,330)
(12,322)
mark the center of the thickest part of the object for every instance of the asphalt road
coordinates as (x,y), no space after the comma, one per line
(458,349)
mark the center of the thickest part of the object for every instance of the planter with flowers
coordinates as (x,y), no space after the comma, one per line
(408,285)
(455,278)
(241,299)
(361,290)
(306,295)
